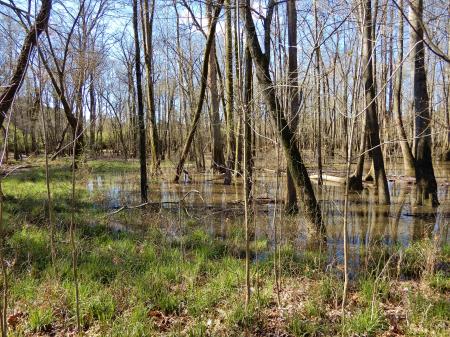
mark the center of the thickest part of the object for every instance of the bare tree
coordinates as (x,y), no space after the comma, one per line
(35,30)
(425,178)
(308,202)
(140,106)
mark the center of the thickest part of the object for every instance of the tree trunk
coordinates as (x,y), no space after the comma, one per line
(204,79)
(92,117)
(318,96)
(229,93)
(247,100)
(294,101)
(446,74)
(147,29)
(218,159)
(371,109)
(408,159)
(140,106)
(248,163)
(7,96)
(308,202)
(425,179)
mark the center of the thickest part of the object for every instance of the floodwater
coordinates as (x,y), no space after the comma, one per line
(218,208)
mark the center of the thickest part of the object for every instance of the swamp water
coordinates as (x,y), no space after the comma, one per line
(218,210)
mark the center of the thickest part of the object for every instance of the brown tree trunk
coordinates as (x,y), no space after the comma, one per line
(294,101)
(147,29)
(229,99)
(140,106)
(218,159)
(92,111)
(408,159)
(247,100)
(371,108)
(318,97)
(204,79)
(308,202)
(425,178)
(7,96)
(248,163)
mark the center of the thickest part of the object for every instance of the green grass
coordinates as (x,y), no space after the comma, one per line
(373,290)
(429,313)
(40,320)
(124,276)
(440,282)
(366,322)
(299,327)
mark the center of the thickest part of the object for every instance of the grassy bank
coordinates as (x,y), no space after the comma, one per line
(149,282)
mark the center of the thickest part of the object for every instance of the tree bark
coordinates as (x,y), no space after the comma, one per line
(408,159)
(294,101)
(204,79)
(140,106)
(318,94)
(147,29)
(31,39)
(92,111)
(425,178)
(229,93)
(308,202)
(218,159)
(371,108)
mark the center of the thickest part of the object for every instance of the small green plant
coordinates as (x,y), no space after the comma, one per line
(414,260)
(40,320)
(371,289)
(313,309)
(198,330)
(440,282)
(302,328)
(367,322)
(101,307)
(329,290)
(240,318)
(429,313)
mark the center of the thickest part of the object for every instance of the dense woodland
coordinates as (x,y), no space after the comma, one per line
(314,92)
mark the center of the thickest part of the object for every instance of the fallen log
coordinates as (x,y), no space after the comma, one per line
(326,177)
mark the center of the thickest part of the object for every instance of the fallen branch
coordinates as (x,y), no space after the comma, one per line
(154,203)
(126,207)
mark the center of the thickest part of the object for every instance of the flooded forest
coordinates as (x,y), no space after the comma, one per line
(224,168)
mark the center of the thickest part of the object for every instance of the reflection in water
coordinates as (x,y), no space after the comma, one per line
(369,224)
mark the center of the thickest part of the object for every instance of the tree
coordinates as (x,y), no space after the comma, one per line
(308,202)
(204,80)
(140,106)
(248,163)
(31,39)
(408,159)
(229,99)
(425,178)
(218,160)
(294,97)
(374,146)
(147,29)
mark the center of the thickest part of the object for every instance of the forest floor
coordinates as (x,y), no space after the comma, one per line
(146,282)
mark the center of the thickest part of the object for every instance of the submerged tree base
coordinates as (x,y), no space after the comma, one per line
(355,183)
